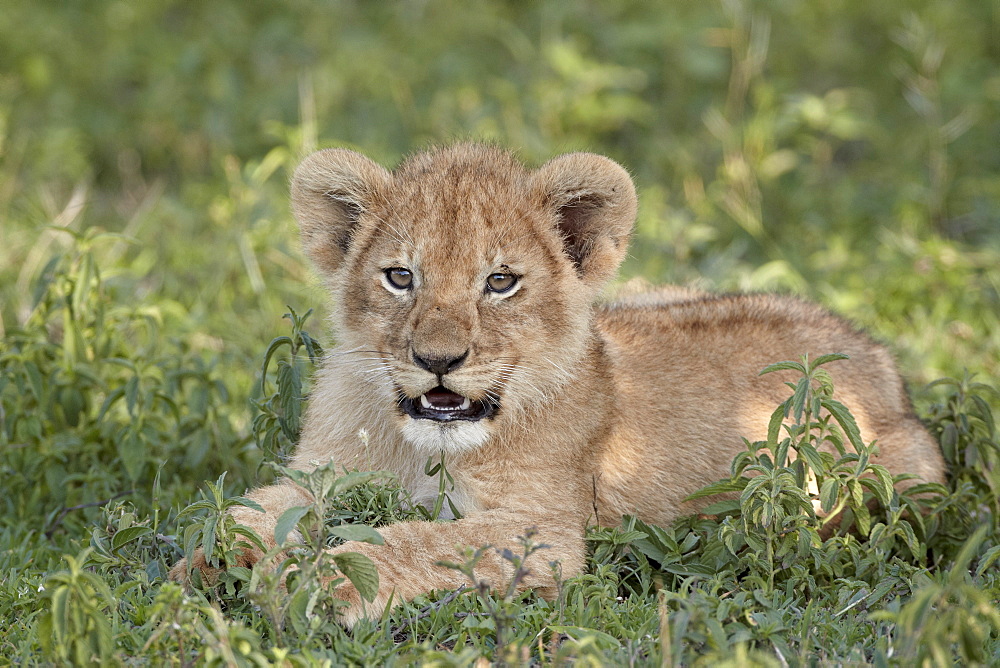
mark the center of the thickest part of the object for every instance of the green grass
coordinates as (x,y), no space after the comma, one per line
(846,151)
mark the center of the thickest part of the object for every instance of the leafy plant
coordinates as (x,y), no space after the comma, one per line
(278,421)
(222,538)
(949,618)
(75,628)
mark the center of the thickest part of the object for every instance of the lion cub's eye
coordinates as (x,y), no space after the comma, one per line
(399,278)
(501,283)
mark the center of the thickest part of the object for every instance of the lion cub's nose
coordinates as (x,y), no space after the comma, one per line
(439,365)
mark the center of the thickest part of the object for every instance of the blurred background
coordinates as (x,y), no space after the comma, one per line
(845,150)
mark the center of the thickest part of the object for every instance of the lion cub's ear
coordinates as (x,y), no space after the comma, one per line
(330,191)
(594,201)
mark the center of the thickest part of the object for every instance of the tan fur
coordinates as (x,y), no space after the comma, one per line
(604,410)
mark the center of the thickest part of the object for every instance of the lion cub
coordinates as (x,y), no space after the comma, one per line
(466,323)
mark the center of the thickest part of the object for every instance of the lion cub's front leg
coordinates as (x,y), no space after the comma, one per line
(408,561)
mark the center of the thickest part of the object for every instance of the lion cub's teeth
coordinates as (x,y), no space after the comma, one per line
(424,402)
(465,405)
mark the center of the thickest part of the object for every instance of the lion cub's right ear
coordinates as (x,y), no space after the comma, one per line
(330,190)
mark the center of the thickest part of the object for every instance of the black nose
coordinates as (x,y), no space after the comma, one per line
(439,365)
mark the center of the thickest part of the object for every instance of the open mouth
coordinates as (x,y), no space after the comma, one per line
(443,405)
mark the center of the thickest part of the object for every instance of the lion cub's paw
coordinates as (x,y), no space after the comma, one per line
(182,574)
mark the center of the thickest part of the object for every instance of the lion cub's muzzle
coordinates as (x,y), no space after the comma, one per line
(443,405)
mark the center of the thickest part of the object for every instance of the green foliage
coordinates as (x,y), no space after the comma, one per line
(276,427)
(75,628)
(964,425)
(948,617)
(92,389)
(846,151)
(223,540)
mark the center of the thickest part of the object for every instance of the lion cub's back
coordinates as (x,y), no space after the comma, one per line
(733,330)
(687,373)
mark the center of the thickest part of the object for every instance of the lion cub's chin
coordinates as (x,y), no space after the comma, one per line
(432,437)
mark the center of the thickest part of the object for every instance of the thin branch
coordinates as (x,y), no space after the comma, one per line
(65,511)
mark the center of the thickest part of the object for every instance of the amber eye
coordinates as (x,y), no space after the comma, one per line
(501,283)
(399,278)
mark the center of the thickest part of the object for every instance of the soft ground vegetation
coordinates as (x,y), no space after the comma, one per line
(848,151)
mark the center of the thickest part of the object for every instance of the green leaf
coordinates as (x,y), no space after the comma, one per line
(313,348)
(252,536)
(727,507)
(74,343)
(884,490)
(828,493)
(109,401)
(247,503)
(985,413)
(60,611)
(721,487)
(579,634)
(358,532)
(880,590)
(300,478)
(846,421)
(857,493)
(856,598)
(35,380)
(689,542)
(651,549)
(987,560)
(131,450)
(826,359)
(657,542)
(301,604)
(132,394)
(290,399)
(781,453)
(192,536)
(812,457)
(73,404)
(959,571)
(798,400)
(774,425)
(272,348)
(360,570)
(783,366)
(910,538)
(124,588)
(81,286)
(862,518)
(208,540)
(287,522)
(128,535)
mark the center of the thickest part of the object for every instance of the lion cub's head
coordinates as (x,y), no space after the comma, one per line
(463,282)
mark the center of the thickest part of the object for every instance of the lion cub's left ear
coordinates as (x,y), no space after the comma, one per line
(594,201)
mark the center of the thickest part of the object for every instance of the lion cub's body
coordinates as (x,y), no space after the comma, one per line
(464,288)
